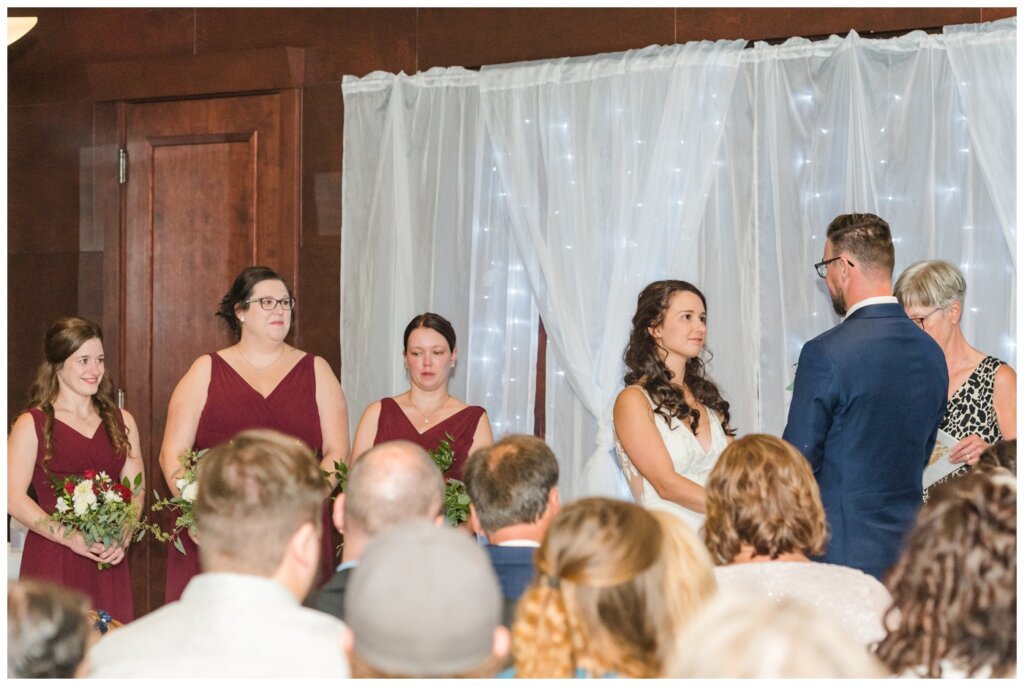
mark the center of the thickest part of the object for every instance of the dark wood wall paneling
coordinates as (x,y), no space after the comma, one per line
(58,243)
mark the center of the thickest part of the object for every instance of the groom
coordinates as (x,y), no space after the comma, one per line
(868,397)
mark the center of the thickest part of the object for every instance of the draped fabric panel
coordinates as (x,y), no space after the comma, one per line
(562,187)
(422,231)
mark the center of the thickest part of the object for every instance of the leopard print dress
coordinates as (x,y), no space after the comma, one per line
(972,410)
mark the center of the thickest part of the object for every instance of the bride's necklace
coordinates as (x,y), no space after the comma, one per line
(264,367)
(426,417)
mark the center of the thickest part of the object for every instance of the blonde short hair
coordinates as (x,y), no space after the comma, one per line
(762,493)
(743,636)
(255,492)
(931,283)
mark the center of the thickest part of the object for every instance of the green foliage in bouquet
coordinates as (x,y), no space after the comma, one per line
(456,500)
(340,474)
(99,508)
(188,487)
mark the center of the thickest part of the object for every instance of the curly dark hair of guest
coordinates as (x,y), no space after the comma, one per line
(646,367)
(62,340)
(954,590)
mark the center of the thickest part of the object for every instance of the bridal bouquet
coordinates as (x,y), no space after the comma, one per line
(456,500)
(99,508)
(188,487)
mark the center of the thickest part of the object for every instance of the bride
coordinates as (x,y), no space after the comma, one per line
(671,422)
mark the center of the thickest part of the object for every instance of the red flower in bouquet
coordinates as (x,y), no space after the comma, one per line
(126,495)
(99,508)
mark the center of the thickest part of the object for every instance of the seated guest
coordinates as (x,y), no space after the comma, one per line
(513,487)
(689,572)
(999,455)
(48,631)
(765,518)
(424,602)
(751,636)
(982,406)
(258,516)
(954,590)
(605,597)
(389,484)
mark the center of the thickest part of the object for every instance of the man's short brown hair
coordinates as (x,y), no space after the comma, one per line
(762,493)
(866,237)
(255,492)
(509,482)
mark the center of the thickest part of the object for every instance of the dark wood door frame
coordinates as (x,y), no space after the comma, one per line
(116,84)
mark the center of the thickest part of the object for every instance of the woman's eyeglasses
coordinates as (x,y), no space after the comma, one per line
(271,303)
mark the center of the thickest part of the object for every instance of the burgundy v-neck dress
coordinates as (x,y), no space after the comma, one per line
(108,589)
(393,425)
(232,406)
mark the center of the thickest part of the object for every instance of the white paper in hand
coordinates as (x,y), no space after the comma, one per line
(939,464)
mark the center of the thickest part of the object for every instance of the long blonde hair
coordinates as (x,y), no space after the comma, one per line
(689,573)
(63,339)
(598,596)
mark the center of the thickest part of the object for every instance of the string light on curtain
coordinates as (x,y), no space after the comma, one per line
(833,102)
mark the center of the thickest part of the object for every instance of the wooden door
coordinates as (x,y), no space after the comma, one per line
(212,187)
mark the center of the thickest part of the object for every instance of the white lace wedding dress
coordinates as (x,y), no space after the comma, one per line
(688,459)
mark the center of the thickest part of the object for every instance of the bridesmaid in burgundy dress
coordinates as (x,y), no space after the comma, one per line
(72,425)
(261,382)
(426,412)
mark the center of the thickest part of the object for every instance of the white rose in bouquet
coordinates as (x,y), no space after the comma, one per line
(114,497)
(189,492)
(81,505)
(62,505)
(83,498)
(181,483)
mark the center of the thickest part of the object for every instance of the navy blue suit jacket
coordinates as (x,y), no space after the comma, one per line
(514,567)
(868,398)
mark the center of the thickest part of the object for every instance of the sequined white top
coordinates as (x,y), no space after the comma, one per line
(857,601)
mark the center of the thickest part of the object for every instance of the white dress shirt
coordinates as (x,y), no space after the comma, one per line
(225,625)
(877,300)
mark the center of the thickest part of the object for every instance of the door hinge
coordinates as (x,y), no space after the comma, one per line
(122,165)
(120,398)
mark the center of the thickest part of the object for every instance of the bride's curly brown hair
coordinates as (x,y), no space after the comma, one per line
(647,368)
(954,590)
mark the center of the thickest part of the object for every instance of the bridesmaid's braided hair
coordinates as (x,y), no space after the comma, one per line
(63,339)
(598,595)
(647,368)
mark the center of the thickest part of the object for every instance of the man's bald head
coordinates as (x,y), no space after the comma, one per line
(391,483)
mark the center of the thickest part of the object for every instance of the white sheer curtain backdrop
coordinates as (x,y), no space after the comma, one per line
(421,232)
(605,160)
(705,162)
(878,126)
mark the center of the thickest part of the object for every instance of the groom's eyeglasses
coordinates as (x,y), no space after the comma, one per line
(822,267)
